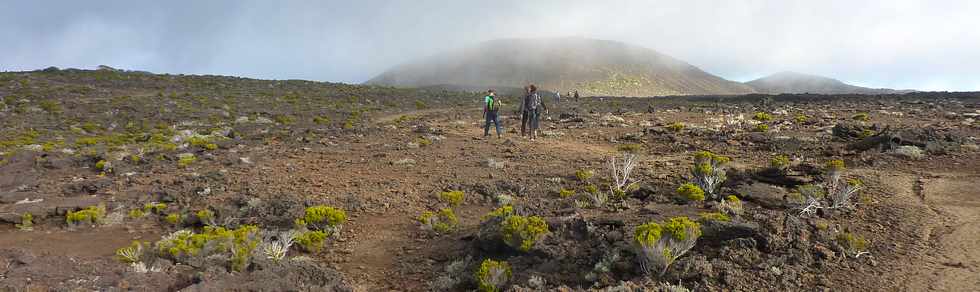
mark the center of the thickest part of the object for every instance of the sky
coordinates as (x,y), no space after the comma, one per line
(902,44)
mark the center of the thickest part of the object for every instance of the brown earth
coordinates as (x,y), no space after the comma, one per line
(918,215)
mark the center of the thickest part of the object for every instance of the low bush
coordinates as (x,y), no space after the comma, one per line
(91,216)
(691,192)
(708,172)
(174,219)
(675,127)
(154,207)
(853,245)
(565,193)
(660,245)
(731,205)
(324,218)
(761,128)
(521,233)
(311,241)
(492,276)
(762,117)
(715,216)
(864,117)
(26,222)
(583,175)
(502,212)
(779,162)
(444,221)
(453,198)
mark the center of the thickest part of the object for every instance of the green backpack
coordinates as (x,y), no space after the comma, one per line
(493,104)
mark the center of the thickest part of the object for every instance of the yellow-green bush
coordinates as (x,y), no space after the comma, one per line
(130,254)
(522,232)
(630,148)
(676,127)
(691,192)
(762,117)
(501,212)
(584,175)
(186,160)
(174,218)
(136,213)
(780,162)
(853,244)
(592,189)
(492,276)
(761,128)
(26,222)
(835,165)
(322,217)
(801,118)
(445,221)
(312,240)
(205,216)
(453,198)
(154,207)
(90,215)
(715,216)
(565,193)
(864,117)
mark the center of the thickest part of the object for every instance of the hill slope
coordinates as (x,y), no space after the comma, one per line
(593,67)
(792,82)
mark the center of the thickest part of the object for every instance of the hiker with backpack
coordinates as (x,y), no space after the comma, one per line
(532,107)
(491,105)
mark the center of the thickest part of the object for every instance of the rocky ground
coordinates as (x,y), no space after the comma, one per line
(265,151)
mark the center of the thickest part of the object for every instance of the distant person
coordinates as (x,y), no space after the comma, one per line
(524,110)
(576,96)
(490,107)
(557,96)
(534,105)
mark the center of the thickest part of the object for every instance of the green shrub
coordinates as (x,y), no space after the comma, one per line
(676,127)
(420,105)
(130,254)
(154,207)
(565,193)
(50,106)
(592,189)
(661,244)
(321,120)
(492,276)
(443,222)
(325,218)
(453,198)
(91,215)
(780,162)
(761,128)
(731,205)
(101,165)
(502,212)
(206,216)
(630,148)
(853,245)
(835,165)
(522,232)
(136,213)
(801,118)
(26,222)
(174,218)
(864,117)
(691,192)
(312,240)
(762,117)
(239,242)
(584,175)
(422,141)
(186,160)
(715,216)
(91,127)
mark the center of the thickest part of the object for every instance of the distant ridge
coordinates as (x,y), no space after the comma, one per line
(792,82)
(593,67)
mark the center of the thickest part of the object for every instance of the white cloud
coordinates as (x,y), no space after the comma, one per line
(899,44)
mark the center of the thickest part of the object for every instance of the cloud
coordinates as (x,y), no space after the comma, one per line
(900,44)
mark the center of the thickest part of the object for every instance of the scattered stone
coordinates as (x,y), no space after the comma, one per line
(406,161)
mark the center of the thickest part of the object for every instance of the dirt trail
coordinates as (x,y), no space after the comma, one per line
(956,243)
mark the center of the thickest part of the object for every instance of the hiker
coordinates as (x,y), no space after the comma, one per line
(576,96)
(533,106)
(490,106)
(523,110)
(557,96)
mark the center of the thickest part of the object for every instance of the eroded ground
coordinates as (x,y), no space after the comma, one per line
(383,155)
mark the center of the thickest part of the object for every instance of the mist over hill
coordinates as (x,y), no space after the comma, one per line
(792,82)
(593,67)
